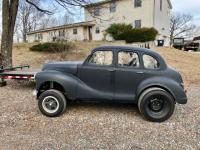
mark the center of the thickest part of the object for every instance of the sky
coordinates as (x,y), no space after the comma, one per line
(191,7)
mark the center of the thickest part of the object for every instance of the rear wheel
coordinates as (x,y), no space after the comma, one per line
(156,104)
(52,103)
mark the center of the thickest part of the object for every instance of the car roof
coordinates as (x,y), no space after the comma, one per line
(122,47)
(139,49)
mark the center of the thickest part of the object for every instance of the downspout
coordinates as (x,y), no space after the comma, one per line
(154,3)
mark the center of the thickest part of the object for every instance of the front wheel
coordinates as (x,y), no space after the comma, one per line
(156,104)
(52,103)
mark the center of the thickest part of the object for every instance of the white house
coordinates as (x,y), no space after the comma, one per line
(99,16)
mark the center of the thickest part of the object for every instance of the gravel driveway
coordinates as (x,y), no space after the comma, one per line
(94,126)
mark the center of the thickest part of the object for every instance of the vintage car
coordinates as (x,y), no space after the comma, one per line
(112,73)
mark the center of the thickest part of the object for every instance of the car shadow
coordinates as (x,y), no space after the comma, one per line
(104,106)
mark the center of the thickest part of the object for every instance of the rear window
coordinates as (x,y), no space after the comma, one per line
(150,62)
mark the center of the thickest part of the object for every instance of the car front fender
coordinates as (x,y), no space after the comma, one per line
(171,86)
(67,81)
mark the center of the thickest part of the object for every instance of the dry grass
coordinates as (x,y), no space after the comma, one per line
(187,63)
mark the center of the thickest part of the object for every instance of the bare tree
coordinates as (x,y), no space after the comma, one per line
(67,19)
(0,20)
(9,13)
(181,25)
(26,18)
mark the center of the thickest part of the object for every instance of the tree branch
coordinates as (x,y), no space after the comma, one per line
(38,8)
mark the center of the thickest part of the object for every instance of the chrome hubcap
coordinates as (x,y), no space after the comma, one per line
(50,104)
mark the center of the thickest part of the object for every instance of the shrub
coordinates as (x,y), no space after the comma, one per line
(118,31)
(141,35)
(129,34)
(52,47)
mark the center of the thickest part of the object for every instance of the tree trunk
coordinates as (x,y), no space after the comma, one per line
(9,13)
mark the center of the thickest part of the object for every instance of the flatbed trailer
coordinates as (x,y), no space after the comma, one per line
(17,73)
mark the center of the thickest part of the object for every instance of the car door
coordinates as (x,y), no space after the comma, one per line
(96,74)
(128,74)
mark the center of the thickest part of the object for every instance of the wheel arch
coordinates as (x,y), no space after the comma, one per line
(47,85)
(155,86)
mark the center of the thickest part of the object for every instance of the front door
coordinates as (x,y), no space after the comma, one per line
(90,33)
(96,75)
(128,75)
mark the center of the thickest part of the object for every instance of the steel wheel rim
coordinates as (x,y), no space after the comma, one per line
(156,105)
(50,104)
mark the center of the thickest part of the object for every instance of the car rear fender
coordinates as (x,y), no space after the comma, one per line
(169,85)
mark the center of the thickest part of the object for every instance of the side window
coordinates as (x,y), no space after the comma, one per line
(128,59)
(102,58)
(150,62)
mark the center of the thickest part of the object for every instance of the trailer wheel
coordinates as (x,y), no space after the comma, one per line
(52,103)
(156,104)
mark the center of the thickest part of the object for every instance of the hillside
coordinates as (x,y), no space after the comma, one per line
(187,63)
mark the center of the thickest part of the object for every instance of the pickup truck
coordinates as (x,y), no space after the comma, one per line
(112,73)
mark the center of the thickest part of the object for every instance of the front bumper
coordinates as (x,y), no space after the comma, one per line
(35,92)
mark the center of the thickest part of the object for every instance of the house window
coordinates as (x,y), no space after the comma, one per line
(161,5)
(75,31)
(61,33)
(138,3)
(97,30)
(138,24)
(97,11)
(39,36)
(113,7)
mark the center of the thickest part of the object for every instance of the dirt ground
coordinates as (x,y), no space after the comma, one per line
(97,125)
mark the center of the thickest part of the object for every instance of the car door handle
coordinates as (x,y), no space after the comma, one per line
(111,70)
(140,72)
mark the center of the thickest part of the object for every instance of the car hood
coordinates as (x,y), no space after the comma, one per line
(65,66)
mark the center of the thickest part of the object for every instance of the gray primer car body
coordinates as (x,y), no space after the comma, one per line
(82,80)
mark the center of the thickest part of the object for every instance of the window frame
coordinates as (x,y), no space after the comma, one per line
(128,67)
(97,65)
(97,29)
(136,4)
(156,58)
(75,33)
(113,7)
(139,27)
(96,11)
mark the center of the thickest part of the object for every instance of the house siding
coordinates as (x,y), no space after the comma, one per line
(125,13)
(162,20)
(80,36)
(149,14)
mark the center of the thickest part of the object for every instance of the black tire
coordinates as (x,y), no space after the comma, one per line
(156,104)
(50,99)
